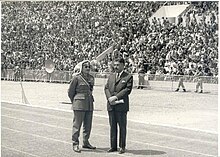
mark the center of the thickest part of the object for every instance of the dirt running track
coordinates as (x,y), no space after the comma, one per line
(33,131)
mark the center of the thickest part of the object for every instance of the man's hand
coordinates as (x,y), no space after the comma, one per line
(112,100)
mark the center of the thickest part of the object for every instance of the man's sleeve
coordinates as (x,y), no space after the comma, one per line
(92,83)
(106,89)
(72,89)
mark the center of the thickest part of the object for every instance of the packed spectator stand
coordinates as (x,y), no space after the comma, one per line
(70,31)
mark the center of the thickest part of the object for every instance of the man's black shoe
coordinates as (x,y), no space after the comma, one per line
(76,149)
(184,90)
(112,150)
(121,150)
(89,146)
(177,90)
(201,91)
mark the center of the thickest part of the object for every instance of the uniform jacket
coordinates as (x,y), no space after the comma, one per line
(80,93)
(121,88)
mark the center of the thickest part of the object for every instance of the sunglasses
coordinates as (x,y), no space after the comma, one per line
(86,66)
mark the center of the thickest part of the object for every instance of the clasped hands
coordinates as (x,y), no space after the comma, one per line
(112,100)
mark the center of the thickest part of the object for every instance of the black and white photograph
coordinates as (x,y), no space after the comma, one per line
(109,78)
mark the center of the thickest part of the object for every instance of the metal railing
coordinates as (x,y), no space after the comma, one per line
(65,76)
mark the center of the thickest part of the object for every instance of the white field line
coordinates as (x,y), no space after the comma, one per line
(46,138)
(33,113)
(144,143)
(15,150)
(174,126)
(182,150)
(104,125)
(132,120)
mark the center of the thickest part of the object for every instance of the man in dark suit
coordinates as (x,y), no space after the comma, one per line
(117,89)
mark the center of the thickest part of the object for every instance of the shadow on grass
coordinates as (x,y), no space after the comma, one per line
(146,152)
(134,152)
(97,150)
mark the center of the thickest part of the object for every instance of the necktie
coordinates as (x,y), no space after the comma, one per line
(118,74)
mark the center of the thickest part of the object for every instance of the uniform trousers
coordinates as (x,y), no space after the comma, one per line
(120,119)
(181,83)
(199,84)
(85,118)
(141,80)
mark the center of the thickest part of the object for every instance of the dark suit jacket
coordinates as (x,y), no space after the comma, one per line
(80,93)
(121,88)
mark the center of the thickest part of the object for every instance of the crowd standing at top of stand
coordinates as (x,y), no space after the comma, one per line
(69,31)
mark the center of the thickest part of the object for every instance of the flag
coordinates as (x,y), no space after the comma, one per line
(104,53)
(24,99)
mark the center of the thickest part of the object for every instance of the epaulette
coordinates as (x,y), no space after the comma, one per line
(92,78)
(75,75)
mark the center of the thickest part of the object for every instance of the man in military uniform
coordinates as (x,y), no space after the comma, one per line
(198,77)
(141,75)
(181,79)
(80,94)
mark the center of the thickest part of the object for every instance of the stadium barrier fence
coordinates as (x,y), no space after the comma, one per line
(65,76)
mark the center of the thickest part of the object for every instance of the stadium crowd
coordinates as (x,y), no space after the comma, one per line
(68,32)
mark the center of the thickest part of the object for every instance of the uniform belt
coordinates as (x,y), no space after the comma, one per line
(84,93)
